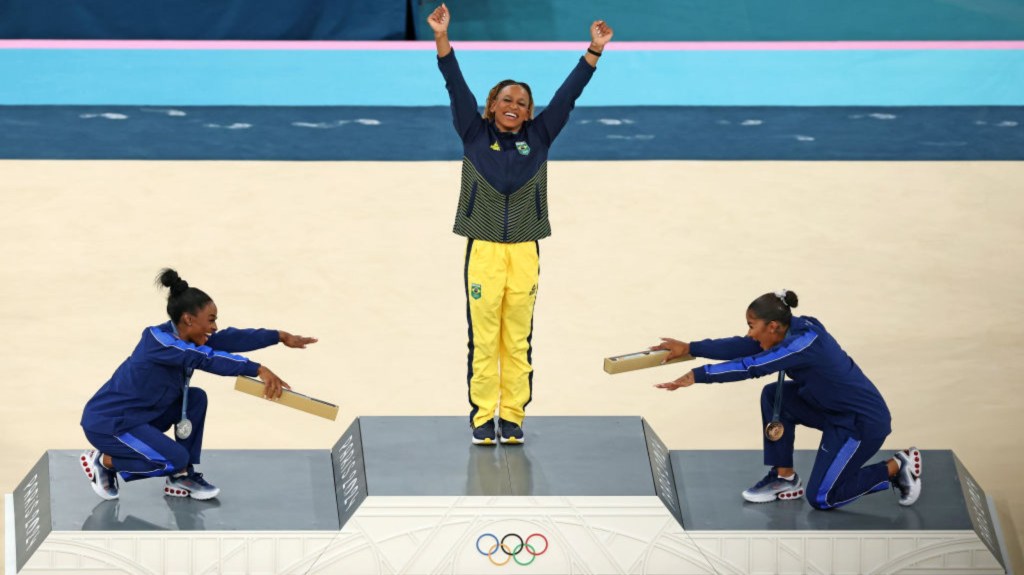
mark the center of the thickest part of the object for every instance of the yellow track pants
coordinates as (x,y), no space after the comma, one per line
(501,289)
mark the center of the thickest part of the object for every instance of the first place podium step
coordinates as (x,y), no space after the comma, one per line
(594,495)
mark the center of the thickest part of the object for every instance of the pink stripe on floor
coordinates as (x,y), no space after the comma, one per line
(314,45)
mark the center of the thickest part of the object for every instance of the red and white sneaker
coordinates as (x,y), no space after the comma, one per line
(192,485)
(773,488)
(102,480)
(908,478)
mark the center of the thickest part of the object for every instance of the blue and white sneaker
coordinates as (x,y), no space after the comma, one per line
(484,434)
(510,432)
(773,487)
(190,485)
(908,478)
(102,480)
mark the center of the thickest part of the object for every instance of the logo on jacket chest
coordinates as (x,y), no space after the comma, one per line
(522,147)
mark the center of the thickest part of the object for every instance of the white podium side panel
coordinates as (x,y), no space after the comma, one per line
(152,553)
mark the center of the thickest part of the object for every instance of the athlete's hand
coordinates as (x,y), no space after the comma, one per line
(674,347)
(439,19)
(299,341)
(600,34)
(685,381)
(272,385)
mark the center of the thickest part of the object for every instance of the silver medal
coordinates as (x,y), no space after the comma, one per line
(183,429)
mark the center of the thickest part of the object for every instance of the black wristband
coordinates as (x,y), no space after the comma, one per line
(591,51)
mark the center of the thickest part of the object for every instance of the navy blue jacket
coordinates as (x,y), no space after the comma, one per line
(503,189)
(506,169)
(153,378)
(825,376)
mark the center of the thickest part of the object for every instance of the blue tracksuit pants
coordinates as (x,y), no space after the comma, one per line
(146,451)
(839,476)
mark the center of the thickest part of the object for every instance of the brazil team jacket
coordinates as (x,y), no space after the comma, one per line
(825,376)
(503,195)
(153,377)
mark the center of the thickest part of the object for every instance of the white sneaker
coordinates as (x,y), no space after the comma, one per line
(908,478)
(102,480)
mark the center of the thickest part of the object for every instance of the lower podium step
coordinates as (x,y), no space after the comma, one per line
(952,528)
(412,495)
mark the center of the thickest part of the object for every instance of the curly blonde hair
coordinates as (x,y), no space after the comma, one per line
(493,95)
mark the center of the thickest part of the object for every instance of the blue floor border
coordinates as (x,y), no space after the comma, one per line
(594,133)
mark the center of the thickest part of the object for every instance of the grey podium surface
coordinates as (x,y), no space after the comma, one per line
(710,482)
(320,490)
(260,490)
(433,456)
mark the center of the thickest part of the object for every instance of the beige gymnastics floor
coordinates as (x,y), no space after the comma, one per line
(915,267)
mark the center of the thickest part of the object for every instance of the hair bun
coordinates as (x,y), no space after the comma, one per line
(179,287)
(170,279)
(791,299)
(787,297)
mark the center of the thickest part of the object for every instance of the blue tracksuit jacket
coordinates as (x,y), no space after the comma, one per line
(825,375)
(153,377)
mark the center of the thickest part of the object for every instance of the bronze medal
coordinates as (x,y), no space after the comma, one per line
(774,430)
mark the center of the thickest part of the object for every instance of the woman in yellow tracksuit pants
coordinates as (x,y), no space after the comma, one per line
(503,212)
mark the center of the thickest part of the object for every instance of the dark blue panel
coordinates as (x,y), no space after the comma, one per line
(204,20)
(425,133)
(737,20)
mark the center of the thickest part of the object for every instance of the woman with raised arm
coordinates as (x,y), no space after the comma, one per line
(826,391)
(503,212)
(126,420)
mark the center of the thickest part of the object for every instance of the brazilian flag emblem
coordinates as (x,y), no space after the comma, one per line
(523,148)
(475,291)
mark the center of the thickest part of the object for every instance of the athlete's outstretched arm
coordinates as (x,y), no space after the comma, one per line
(438,21)
(465,114)
(600,34)
(556,114)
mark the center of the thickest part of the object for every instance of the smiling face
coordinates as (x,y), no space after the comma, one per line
(767,334)
(198,327)
(512,106)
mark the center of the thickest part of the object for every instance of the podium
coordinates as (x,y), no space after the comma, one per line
(412,495)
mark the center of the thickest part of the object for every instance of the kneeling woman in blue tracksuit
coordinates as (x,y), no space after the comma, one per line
(826,391)
(126,420)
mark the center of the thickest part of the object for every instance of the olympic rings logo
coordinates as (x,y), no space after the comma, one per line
(512,552)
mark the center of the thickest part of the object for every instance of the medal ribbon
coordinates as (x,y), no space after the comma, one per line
(188,378)
(777,408)
(184,399)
